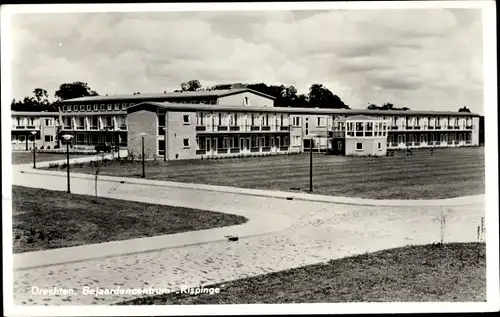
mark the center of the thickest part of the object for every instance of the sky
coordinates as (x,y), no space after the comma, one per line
(424,59)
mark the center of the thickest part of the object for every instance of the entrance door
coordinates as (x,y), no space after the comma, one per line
(214,145)
(247,145)
(208,144)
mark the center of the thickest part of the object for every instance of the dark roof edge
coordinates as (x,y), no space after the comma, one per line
(181,106)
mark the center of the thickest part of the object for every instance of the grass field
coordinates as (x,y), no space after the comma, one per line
(44,219)
(27,157)
(447,173)
(441,273)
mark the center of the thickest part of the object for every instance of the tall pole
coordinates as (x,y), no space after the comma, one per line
(67,163)
(310,165)
(143,170)
(165,144)
(34,151)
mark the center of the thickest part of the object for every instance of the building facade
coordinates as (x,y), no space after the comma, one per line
(98,119)
(182,131)
(40,127)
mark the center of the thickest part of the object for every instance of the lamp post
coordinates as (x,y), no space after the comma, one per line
(67,137)
(310,137)
(34,148)
(142,135)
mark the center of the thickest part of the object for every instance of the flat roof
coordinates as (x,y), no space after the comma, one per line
(35,113)
(168,95)
(201,107)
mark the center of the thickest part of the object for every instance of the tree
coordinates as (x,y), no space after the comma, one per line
(74,90)
(385,106)
(39,102)
(464,109)
(41,96)
(322,97)
(192,85)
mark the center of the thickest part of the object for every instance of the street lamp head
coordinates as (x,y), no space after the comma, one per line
(33,132)
(67,137)
(142,134)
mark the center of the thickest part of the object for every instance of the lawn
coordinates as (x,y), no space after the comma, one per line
(27,157)
(440,273)
(447,173)
(44,219)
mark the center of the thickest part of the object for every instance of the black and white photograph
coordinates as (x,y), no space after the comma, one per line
(249,158)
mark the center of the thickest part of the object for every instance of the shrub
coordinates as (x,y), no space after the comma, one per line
(64,165)
(53,165)
(79,164)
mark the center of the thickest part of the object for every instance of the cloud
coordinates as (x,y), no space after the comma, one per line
(424,59)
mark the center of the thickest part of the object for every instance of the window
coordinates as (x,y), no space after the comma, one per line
(161,147)
(185,142)
(110,107)
(296,141)
(296,121)
(49,138)
(22,138)
(49,122)
(82,108)
(75,107)
(247,101)
(380,146)
(117,106)
(161,120)
(89,107)
(124,106)
(185,119)
(95,107)
(63,108)
(359,146)
(320,122)
(102,107)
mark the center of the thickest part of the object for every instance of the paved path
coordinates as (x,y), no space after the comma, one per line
(315,232)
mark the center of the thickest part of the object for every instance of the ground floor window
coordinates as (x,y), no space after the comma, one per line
(296,141)
(379,146)
(359,146)
(339,145)
(49,138)
(185,143)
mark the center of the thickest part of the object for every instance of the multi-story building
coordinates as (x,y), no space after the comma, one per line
(187,131)
(40,127)
(98,119)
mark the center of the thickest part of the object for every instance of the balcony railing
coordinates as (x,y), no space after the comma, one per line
(409,143)
(416,143)
(255,149)
(468,127)
(254,128)
(94,127)
(450,127)
(266,149)
(409,128)
(438,127)
(284,128)
(222,151)
(283,148)
(234,150)
(457,127)
(456,142)
(123,127)
(234,128)
(201,128)
(222,128)
(80,128)
(30,127)
(67,127)
(393,144)
(417,127)
(468,142)
(20,126)
(201,152)
(444,142)
(394,127)
(430,128)
(266,128)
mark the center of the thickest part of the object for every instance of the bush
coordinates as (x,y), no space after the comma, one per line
(79,164)
(53,165)
(64,165)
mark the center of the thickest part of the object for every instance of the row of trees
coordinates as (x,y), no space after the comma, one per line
(40,99)
(286,96)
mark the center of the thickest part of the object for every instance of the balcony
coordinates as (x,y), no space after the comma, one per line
(123,127)
(222,151)
(284,128)
(80,128)
(201,128)
(393,144)
(457,127)
(21,127)
(222,128)
(66,127)
(417,127)
(409,143)
(468,127)
(255,149)
(283,148)
(254,128)
(438,127)
(234,128)
(456,142)
(94,127)
(430,128)
(430,143)
(266,149)
(394,127)
(444,143)
(31,127)
(234,150)
(417,144)
(266,128)
(468,142)
(450,127)
(409,128)
(201,152)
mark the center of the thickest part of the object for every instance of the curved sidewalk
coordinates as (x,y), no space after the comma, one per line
(457,201)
